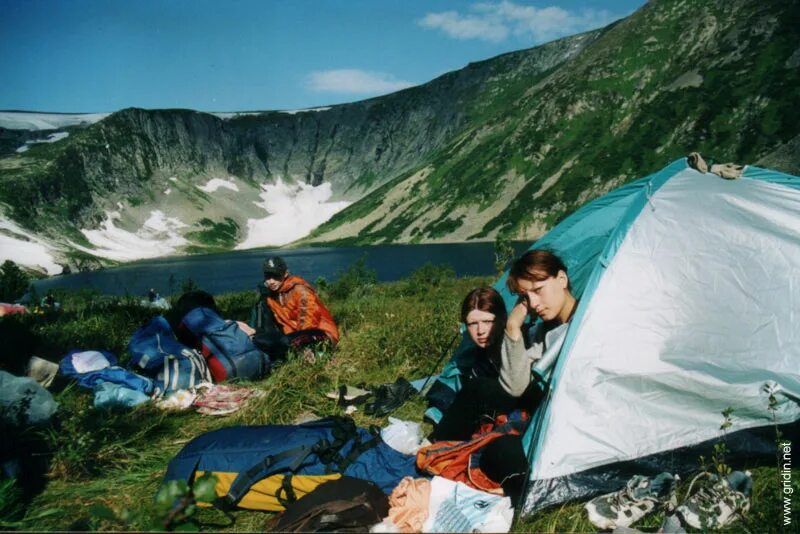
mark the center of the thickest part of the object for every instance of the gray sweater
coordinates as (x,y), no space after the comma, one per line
(516,360)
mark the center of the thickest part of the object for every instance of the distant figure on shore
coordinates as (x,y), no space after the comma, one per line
(289,313)
(49,304)
(152,296)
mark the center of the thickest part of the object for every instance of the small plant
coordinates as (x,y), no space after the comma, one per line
(771,388)
(503,253)
(321,283)
(720,451)
(175,508)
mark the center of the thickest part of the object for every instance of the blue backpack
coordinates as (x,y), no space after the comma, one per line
(231,355)
(197,322)
(150,344)
(182,371)
(248,456)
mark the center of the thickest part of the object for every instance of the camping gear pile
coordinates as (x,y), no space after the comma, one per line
(177,370)
(286,468)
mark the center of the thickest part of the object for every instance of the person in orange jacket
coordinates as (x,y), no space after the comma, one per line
(294,315)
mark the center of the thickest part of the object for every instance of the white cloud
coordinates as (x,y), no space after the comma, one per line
(495,21)
(459,26)
(354,81)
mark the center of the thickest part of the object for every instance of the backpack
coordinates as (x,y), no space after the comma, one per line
(197,322)
(343,505)
(186,303)
(231,354)
(182,371)
(151,343)
(460,460)
(268,467)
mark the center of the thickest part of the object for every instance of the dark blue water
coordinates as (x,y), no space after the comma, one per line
(241,270)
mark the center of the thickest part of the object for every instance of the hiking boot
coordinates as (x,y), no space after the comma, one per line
(718,502)
(640,496)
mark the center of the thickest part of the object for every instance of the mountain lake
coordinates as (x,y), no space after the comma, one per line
(241,270)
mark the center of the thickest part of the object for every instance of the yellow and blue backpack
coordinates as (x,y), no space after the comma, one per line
(268,467)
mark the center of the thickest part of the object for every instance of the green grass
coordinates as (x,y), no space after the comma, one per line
(118,459)
(215,235)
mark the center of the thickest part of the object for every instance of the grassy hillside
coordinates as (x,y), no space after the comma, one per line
(677,76)
(118,459)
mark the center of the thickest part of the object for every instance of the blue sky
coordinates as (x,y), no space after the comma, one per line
(238,55)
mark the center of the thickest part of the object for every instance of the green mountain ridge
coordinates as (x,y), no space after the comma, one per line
(506,146)
(674,77)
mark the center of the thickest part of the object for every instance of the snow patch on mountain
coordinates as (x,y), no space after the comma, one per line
(296,111)
(29,120)
(294,210)
(158,236)
(17,245)
(225,115)
(216,183)
(52,138)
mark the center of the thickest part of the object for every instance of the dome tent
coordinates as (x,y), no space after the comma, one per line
(689,305)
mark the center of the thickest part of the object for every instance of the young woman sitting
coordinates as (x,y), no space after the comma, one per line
(540,280)
(484,314)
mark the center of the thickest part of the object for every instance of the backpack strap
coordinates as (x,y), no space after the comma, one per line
(263,469)
(286,489)
(359,448)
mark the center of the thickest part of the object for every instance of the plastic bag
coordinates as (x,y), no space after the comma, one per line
(403,436)
(108,395)
(23,402)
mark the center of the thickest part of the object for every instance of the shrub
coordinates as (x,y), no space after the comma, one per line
(353,281)
(427,277)
(13,281)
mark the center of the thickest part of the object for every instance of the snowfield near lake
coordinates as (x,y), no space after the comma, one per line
(216,183)
(24,120)
(34,254)
(158,236)
(294,210)
(52,138)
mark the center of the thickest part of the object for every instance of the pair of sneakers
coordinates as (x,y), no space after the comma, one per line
(717,501)
(640,496)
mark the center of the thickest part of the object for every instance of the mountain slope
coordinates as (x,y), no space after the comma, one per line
(506,146)
(115,174)
(676,76)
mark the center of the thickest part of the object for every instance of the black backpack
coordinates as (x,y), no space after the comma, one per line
(343,505)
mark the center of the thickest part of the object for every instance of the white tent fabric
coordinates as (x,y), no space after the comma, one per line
(696,312)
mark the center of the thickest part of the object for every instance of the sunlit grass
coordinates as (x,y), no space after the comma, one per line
(118,459)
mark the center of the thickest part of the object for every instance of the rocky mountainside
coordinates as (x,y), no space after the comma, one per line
(504,146)
(720,77)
